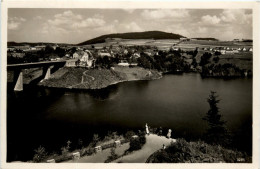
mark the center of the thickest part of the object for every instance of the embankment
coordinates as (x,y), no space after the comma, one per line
(81,78)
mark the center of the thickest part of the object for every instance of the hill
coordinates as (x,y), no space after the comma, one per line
(11,43)
(134,35)
(209,39)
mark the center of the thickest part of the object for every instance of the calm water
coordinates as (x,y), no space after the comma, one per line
(50,117)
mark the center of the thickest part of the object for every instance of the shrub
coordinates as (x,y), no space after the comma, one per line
(113,156)
(40,154)
(196,152)
(137,143)
(129,135)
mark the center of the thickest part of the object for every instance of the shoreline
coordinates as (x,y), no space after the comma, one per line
(100,79)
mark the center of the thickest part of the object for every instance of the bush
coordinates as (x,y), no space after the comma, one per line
(216,59)
(137,143)
(87,151)
(40,154)
(129,135)
(196,152)
(113,156)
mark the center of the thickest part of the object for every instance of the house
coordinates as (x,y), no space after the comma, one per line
(235,51)
(229,51)
(25,47)
(87,59)
(18,55)
(244,49)
(223,52)
(123,63)
(75,55)
(55,46)
(10,49)
(125,52)
(250,50)
(184,39)
(33,48)
(136,55)
(71,63)
(40,47)
(148,53)
(102,54)
(175,48)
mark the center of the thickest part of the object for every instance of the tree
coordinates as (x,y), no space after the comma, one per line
(95,140)
(216,133)
(216,59)
(205,58)
(113,155)
(49,49)
(195,52)
(217,53)
(60,52)
(77,63)
(40,154)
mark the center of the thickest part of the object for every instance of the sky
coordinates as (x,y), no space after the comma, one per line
(78,25)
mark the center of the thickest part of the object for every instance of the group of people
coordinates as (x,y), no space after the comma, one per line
(160,131)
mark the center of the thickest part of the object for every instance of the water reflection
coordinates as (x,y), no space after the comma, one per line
(103,94)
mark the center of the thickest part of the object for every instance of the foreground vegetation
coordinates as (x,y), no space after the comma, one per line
(197,152)
(108,142)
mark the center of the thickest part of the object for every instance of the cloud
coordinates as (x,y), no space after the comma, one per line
(133,27)
(129,10)
(15,22)
(37,18)
(211,20)
(202,29)
(70,22)
(228,16)
(165,14)
(237,16)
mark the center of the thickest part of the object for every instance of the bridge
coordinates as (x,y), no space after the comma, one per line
(18,73)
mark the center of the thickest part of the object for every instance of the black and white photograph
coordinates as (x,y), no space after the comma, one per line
(129,85)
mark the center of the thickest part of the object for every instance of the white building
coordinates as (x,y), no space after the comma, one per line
(223,52)
(87,58)
(102,54)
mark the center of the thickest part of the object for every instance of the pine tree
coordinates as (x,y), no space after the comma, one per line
(216,133)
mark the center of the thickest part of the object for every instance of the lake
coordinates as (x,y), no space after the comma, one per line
(50,117)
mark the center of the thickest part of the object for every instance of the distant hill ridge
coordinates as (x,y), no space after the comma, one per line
(134,35)
(11,43)
(212,39)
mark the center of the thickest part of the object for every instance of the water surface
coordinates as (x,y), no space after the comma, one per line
(50,117)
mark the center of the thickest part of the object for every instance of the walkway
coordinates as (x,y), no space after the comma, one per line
(153,143)
(83,83)
(100,157)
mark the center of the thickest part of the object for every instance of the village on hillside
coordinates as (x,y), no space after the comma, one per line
(123,52)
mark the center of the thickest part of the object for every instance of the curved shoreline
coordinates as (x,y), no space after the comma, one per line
(76,78)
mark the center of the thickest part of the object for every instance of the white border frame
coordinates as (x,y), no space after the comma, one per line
(136,5)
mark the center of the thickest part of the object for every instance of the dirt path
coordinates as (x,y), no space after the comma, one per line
(153,143)
(83,83)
